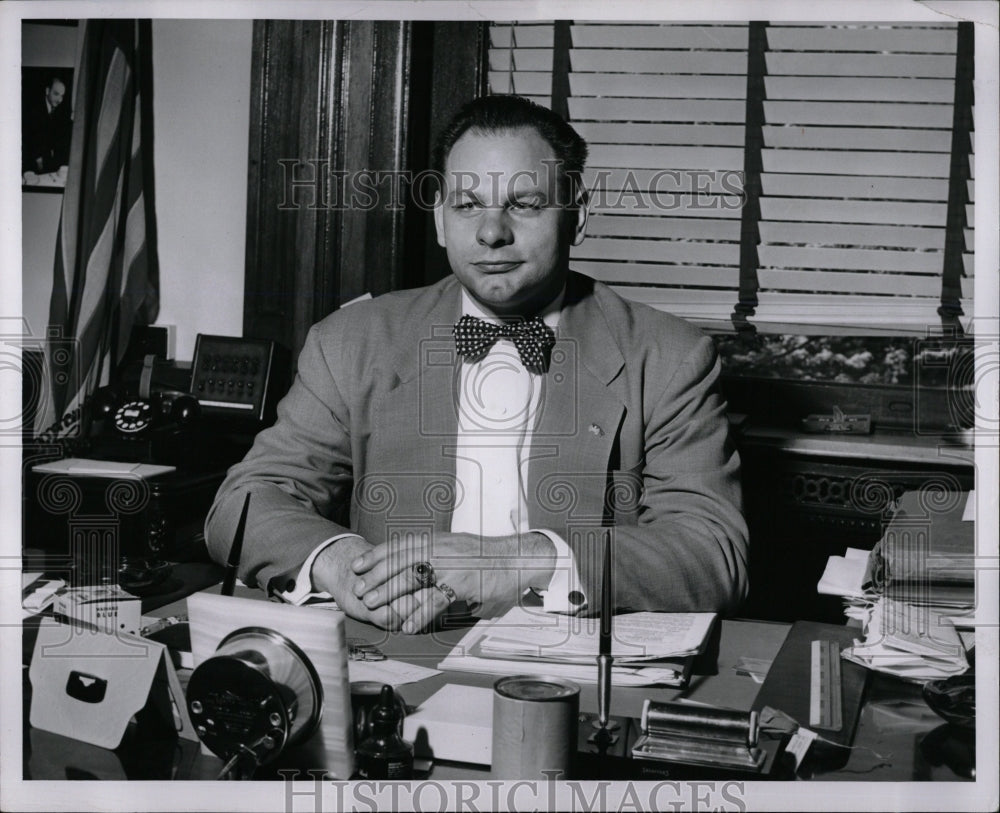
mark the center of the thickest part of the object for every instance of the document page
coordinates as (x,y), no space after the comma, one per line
(636,637)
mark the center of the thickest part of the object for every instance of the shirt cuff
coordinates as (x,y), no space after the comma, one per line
(299,588)
(565,593)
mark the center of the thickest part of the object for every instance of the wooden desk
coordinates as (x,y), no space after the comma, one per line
(888,743)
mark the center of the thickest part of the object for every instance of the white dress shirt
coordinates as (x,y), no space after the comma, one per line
(498,406)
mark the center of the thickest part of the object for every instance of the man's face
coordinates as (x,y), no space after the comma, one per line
(503,221)
(54,93)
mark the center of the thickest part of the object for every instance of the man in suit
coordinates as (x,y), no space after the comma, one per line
(46,129)
(437,446)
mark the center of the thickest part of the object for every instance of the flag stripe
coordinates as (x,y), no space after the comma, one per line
(105,270)
(98,268)
(135,240)
(109,122)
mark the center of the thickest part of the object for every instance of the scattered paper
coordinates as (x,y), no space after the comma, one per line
(968,620)
(27,577)
(844,575)
(395,673)
(799,744)
(969,514)
(38,594)
(755,668)
(912,642)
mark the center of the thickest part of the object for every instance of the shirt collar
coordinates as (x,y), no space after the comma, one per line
(550,314)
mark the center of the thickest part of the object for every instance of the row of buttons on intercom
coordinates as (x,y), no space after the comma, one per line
(223,385)
(226,363)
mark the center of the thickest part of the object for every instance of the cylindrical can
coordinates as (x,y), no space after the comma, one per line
(534,727)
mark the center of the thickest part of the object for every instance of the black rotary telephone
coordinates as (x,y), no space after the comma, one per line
(137,416)
(134,412)
(144,421)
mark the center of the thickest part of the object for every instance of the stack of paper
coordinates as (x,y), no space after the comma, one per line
(648,648)
(909,641)
(927,555)
(913,590)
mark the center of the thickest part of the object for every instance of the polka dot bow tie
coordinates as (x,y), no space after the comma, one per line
(532,338)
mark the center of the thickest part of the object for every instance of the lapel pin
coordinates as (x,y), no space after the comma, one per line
(595,430)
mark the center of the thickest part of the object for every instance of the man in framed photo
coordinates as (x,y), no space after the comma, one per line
(46,127)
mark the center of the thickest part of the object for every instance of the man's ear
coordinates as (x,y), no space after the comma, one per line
(581,211)
(439,218)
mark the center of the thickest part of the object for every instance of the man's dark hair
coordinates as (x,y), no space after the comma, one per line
(505,113)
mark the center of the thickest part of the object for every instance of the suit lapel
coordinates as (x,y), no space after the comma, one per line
(415,424)
(580,417)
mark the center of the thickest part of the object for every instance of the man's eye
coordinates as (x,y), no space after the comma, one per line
(526,205)
(464,205)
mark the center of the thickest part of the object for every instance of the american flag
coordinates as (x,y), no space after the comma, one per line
(106,274)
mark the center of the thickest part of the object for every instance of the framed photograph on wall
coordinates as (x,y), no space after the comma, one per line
(46,127)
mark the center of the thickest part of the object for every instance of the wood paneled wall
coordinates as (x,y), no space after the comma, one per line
(341,110)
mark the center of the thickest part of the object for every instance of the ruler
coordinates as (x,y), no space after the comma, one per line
(826,708)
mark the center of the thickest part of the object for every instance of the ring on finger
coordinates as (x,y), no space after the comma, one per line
(423,573)
(449,594)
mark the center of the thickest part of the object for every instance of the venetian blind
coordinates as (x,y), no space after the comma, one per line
(848,165)
(857,162)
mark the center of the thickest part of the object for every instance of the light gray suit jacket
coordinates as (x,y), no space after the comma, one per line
(632,435)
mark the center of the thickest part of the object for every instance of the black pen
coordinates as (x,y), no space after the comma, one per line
(604,658)
(236,551)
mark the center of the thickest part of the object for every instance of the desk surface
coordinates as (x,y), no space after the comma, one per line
(888,745)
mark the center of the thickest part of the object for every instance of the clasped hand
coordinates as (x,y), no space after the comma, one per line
(489,574)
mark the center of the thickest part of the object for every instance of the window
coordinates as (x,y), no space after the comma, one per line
(808,178)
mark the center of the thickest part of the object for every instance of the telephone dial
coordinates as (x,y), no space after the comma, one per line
(133,417)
